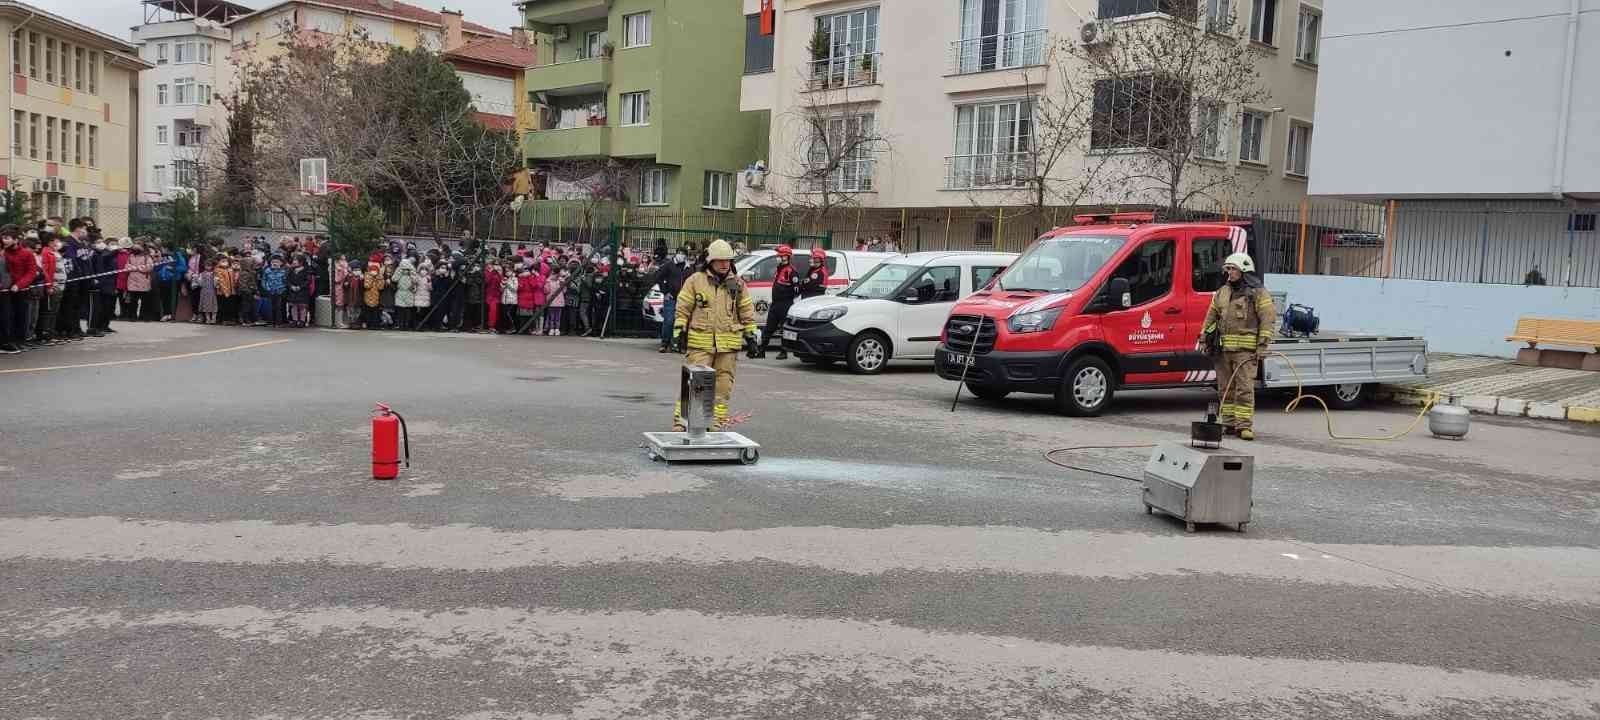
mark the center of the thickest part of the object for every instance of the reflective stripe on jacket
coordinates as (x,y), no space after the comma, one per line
(717,313)
(1244,319)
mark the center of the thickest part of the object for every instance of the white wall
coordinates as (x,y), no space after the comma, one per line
(490,94)
(219,74)
(1454,317)
(1421,98)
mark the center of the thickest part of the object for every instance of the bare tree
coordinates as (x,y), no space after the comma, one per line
(1163,91)
(836,140)
(593,184)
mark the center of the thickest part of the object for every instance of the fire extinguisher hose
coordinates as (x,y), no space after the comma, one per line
(405,435)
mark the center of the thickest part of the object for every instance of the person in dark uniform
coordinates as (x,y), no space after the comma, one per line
(785,286)
(815,280)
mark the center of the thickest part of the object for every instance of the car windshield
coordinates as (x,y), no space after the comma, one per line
(881,282)
(1061,263)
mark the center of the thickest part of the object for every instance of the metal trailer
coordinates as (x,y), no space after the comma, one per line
(1349,365)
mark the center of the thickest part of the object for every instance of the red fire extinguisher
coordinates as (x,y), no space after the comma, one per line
(387,429)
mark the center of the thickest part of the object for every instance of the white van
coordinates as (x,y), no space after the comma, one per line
(760,267)
(895,311)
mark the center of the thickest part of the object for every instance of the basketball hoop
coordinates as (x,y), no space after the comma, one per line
(314,176)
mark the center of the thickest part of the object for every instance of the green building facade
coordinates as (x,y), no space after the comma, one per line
(651,84)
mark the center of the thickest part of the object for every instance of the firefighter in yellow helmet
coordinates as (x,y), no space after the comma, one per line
(715,321)
(1237,331)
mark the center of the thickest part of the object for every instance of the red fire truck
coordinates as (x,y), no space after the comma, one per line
(1117,303)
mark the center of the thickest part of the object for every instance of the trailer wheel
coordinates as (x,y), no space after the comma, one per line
(1086,389)
(1348,396)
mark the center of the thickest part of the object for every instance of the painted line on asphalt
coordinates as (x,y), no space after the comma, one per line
(987,670)
(1569,575)
(146,360)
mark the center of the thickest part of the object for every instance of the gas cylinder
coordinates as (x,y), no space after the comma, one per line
(387,429)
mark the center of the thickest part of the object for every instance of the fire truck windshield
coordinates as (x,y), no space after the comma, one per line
(1061,263)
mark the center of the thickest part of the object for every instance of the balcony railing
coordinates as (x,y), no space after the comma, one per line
(846,71)
(991,170)
(998,52)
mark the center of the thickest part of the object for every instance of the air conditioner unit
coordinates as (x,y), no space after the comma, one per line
(560,33)
(1095,33)
(40,186)
(755,176)
(58,185)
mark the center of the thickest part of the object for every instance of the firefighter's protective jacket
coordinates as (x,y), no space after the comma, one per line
(1242,316)
(717,312)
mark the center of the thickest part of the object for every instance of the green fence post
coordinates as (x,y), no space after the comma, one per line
(611,280)
(827,239)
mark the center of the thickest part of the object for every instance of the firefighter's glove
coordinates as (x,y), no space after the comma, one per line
(751,344)
(680,341)
(1261,354)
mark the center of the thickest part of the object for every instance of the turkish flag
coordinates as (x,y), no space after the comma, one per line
(768,18)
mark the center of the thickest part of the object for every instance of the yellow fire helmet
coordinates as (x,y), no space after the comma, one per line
(719,250)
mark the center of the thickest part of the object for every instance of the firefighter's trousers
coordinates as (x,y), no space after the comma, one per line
(726,365)
(1238,399)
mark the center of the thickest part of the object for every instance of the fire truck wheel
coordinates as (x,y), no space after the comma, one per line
(1086,389)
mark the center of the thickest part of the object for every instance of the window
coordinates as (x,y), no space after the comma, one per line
(983,233)
(594,43)
(33,136)
(158,177)
(636,108)
(49,60)
(77,68)
(18,120)
(1149,270)
(161,53)
(203,94)
(94,146)
(757,47)
(66,64)
(1212,131)
(1263,20)
(653,187)
(1206,263)
(93,211)
(1581,222)
(33,55)
(982,275)
(997,34)
(66,137)
(378,31)
(184,89)
(1138,112)
(161,93)
(49,139)
(851,58)
(636,30)
(16,56)
(430,39)
(189,137)
(1298,158)
(1110,9)
(324,21)
(1307,33)
(1252,137)
(183,173)
(161,134)
(1219,15)
(77,144)
(936,285)
(94,73)
(719,190)
(843,159)
(993,145)
(183,52)
(205,51)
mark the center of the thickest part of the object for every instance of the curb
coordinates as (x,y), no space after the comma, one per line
(1492,405)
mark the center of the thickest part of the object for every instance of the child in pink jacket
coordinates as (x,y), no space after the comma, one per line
(555,290)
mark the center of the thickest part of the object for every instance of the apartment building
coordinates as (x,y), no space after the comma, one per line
(73,116)
(255,36)
(651,84)
(948,86)
(493,71)
(189,46)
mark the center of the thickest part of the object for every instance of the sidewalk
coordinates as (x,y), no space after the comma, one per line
(1497,386)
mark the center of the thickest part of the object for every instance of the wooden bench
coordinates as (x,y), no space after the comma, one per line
(1552,331)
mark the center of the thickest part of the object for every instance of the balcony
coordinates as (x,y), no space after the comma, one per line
(846,71)
(989,171)
(561,12)
(567,143)
(998,52)
(574,77)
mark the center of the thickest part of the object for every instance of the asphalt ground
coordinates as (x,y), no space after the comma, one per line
(188,530)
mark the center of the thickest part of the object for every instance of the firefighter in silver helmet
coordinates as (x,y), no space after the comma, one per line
(1237,331)
(715,321)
